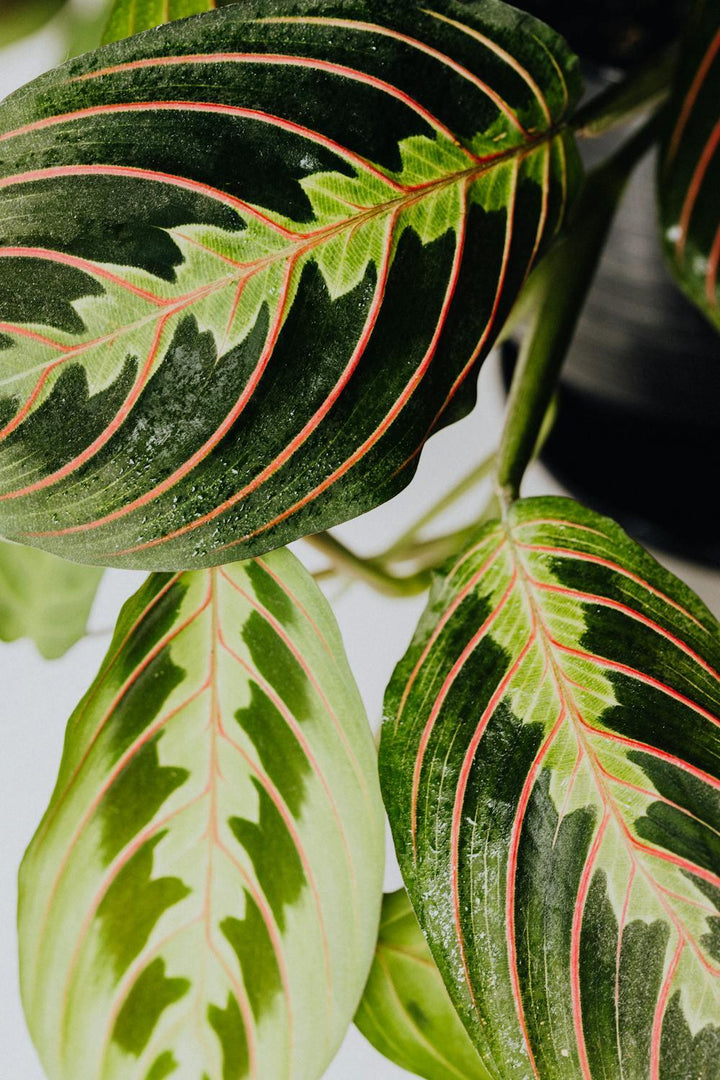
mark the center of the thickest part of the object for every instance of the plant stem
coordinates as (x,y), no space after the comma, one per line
(558,289)
(427,555)
(405,544)
(370,571)
(647,85)
(431,553)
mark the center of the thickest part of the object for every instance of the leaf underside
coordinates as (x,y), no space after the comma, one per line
(202,896)
(248,265)
(551,766)
(689,172)
(405,1011)
(44,598)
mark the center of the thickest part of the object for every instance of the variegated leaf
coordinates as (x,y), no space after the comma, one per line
(44,598)
(250,260)
(202,896)
(689,172)
(405,1011)
(128,17)
(551,766)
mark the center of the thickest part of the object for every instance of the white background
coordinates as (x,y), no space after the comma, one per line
(38,697)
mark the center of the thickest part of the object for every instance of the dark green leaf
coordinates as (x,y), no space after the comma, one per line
(202,896)
(689,176)
(248,264)
(44,598)
(550,763)
(405,1011)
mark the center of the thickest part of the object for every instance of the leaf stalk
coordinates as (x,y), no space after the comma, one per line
(371,571)
(557,291)
(647,86)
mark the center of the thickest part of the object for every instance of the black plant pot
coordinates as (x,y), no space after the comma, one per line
(638,428)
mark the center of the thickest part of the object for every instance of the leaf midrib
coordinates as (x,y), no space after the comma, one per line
(214,843)
(606,797)
(306,242)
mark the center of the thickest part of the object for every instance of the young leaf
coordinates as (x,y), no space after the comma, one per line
(405,1011)
(202,896)
(248,264)
(126,18)
(690,165)
(551,767)
(18,18)
(44,598)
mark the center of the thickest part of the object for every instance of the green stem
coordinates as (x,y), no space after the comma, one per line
(558,289)
(647,85)
(428,555)
(405,545)
(370,571)
(432,553)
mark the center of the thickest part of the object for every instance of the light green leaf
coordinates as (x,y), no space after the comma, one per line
(405,1011)
(44,598)
(202,896)
(18,18)
(133,16)
(251,260)
(551,767)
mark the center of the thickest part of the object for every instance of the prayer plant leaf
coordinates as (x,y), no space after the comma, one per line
(202,896)
(250,260)
(127,18)
(690,165)
(44,598)
(405,1011)
(18,18)
(550,763)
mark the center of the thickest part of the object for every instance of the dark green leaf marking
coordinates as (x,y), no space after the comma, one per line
(149,997)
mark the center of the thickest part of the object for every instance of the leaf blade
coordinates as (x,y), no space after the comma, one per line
(405,1011)
(18,18)
(205,885)
(540,777)
(44,598)
(216,279)
(688,166)
(125,19)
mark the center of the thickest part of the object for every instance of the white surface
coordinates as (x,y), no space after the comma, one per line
(37,696)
